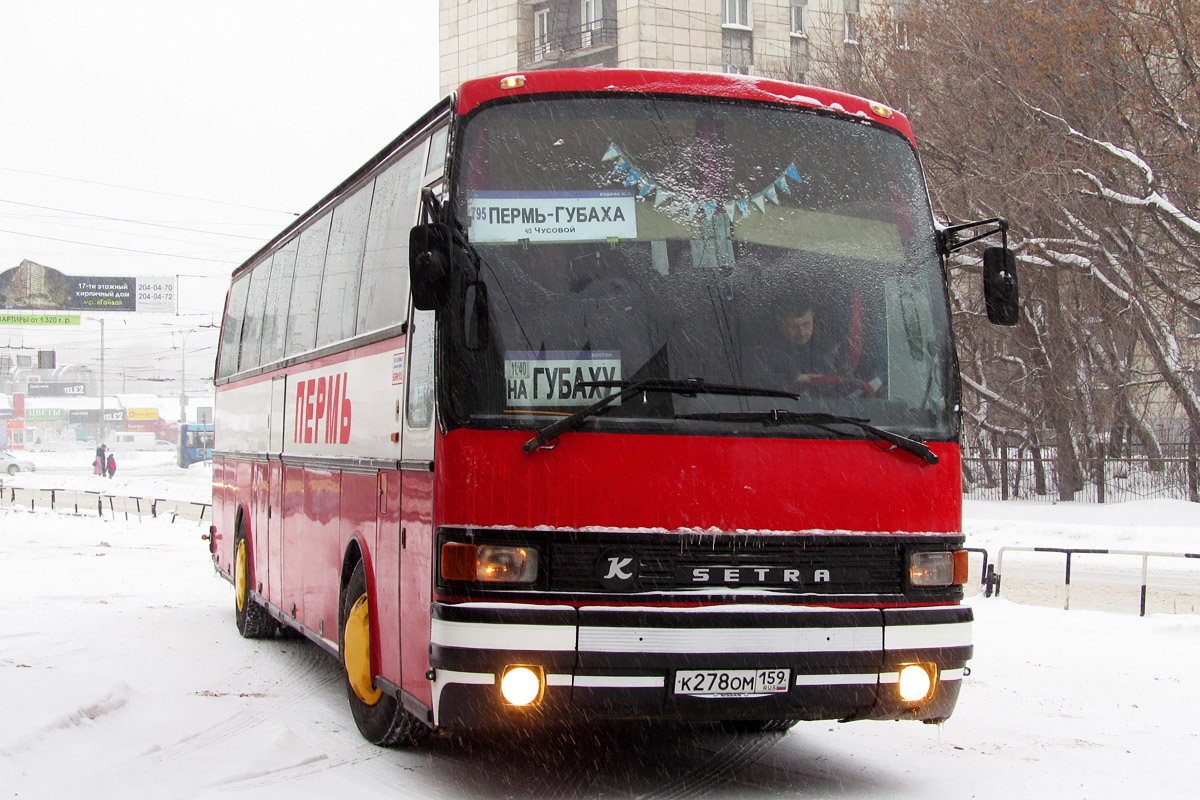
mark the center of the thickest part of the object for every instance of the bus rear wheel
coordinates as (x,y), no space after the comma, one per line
(379,716)
(253,621)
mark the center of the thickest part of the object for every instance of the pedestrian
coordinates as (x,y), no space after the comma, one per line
(98,465)
(112,464)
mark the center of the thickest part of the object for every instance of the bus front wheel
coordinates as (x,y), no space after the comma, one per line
(380,718)
(253,621)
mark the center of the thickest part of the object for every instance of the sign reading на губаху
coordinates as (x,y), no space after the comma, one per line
(35,287)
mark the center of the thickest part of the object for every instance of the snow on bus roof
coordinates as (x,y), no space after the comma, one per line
(714,84)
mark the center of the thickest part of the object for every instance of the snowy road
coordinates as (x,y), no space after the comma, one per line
(123,675)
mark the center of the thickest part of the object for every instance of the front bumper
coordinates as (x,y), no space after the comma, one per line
(619,663)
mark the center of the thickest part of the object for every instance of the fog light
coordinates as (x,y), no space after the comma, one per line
(916,682)
(520,685)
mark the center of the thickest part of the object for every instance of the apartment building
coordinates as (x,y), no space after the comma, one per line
(795,39)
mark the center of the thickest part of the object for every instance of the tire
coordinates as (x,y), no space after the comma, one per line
(380,717)
(758,725)
(253,621)
(13,469)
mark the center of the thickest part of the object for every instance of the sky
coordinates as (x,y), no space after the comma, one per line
(169,138)
(121,667)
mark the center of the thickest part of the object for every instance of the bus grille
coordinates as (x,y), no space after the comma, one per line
(803,563)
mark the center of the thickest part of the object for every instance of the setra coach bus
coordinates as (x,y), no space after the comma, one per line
(609,394)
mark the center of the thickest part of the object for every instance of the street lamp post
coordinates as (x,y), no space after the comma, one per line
(101,438)
(183,375)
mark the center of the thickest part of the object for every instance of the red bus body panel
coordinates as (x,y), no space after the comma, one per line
(695,483)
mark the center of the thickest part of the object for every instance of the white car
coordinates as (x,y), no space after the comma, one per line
(12,465)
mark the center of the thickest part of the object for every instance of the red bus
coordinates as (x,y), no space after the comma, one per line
(609,394)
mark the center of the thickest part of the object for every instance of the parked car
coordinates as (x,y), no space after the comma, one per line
(12,464)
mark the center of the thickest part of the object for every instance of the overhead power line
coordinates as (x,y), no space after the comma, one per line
(125,249)
(149,191)
(131,221)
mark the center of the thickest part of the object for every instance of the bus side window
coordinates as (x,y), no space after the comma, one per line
(343,260)
(310,263)
(231,330)
(279,292)
(437,151)
(381,299)
(252,327)
(420,370)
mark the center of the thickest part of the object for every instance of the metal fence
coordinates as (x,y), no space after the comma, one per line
(1022,473)
(72,501)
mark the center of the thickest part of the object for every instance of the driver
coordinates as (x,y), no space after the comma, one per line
(804,359)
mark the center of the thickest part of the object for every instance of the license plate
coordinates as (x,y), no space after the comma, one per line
(732,682)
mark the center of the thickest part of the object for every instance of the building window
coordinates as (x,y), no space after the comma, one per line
(591,18)
(851,27)
(541,34)
(737,51)
(736,13)
(901,34)
(799,23)
(798,68)
(850,21)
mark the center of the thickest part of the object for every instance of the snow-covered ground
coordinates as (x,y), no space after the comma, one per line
(121,675)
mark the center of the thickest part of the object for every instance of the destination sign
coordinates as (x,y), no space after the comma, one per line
(551,216)
(557,379)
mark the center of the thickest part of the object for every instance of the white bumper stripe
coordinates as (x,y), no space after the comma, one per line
(837,680)
(486,636)
(909,637)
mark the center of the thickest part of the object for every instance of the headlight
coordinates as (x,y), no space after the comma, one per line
(916,682)
(521,686)
(942,568)
(489,563)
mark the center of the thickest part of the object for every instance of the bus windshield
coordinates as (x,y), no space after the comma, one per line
(618,239)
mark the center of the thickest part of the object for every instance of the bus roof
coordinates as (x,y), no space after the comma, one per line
(712,84)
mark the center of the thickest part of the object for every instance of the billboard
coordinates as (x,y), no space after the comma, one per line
(56,389)
(35,287)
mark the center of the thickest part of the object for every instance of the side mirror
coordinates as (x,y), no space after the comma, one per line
(1000,290)
(429,265)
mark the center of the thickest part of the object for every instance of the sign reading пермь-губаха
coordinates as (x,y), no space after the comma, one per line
(35,287)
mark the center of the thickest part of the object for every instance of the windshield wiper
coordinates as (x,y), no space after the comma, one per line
(820,420)
(686,386)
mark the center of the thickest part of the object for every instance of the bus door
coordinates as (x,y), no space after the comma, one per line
(416,508)
(273,586)
(416,465)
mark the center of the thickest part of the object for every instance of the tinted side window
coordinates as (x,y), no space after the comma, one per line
(255,303)
(306,288)
(231,327)
(437,150)
(339,287)
(382,298)
(279,292)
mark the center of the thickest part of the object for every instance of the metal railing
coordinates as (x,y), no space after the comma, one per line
(567,43)
(74,501)
(993,580)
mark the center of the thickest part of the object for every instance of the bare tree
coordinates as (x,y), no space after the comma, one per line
(1079,121)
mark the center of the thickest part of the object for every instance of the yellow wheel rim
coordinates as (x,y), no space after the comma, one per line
(357,639)
(239,576)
